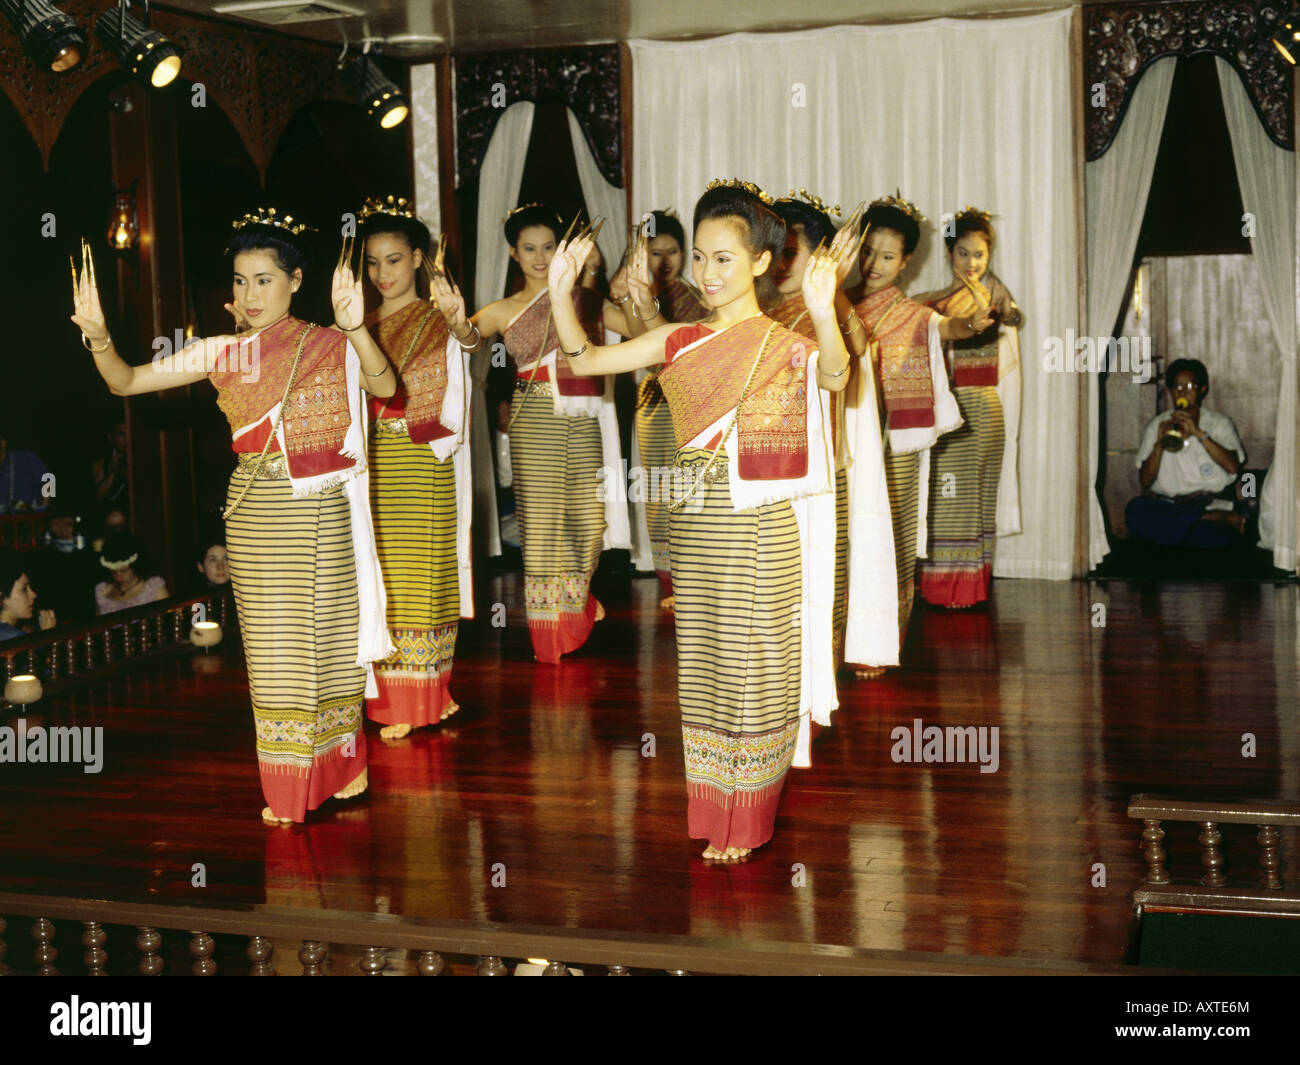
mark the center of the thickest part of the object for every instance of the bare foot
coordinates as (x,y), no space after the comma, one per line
(356,787)
(869,672)
(451,709)
(394,732)
(600,610)
(669,603)
(734,853)
(711,852)
(271,819)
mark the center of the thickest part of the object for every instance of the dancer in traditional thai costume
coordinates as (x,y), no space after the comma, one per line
(301,548)
(420,484)
(904,340)
(974,497)
(657,295)
(752,533)
(564,447)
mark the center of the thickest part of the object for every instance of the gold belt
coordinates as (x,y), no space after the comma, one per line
(541,388)
(697,468)
(273,467)
(390,426)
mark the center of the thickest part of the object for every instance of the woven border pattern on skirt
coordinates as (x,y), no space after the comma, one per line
(413,506)
(557,462)
(737,578)
(294,576)
(901,482)
(658,444)
(965,467)
(840,610)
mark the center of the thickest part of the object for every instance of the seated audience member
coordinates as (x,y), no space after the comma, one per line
(114,521)
(18,598)
(213,565)
(22,480)
(108,473)
(68,569)
(126,588)
(1187,457)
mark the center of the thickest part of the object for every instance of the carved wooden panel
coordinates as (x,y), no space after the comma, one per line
(1122,40)
(585,79)
(259,80)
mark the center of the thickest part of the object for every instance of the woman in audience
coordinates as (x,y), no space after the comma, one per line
(18,598)
(126,587)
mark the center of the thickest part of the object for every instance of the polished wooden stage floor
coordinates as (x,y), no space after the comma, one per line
(542,776)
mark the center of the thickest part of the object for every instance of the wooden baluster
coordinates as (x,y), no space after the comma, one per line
(617,970)
(225,612)
(201,948)
(178,625)
(1269,861)
(259,953)
(9,666)
(430,962)
(1211,857)
(44,954)
(70,657)
(147,943)
(93,939)
(4,947)
(144,640)
(491,965)
(1152,834)
(312,954)
(52,668)
(31,662)
(374,961)
(90,650)
(106,643)
(556,968)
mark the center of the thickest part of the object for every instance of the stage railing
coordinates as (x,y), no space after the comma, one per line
(1212,893)
(68,655)
(480,948)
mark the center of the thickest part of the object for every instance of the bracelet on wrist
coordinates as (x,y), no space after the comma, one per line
(86,342)
(840,372)
(353,329)
(381,373)
(625,299)
(575,354)
(652,314)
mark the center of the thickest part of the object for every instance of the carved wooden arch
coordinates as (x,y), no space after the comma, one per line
(260,80)
(585,79)
(1122,40)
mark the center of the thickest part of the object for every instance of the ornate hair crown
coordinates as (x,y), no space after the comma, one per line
(972,213)
(266,216)
(398,207)
(896,201)
(515,210)
(797,195)
(748,186)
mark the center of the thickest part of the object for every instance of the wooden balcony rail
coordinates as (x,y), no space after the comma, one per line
(484,947)
(70,655)
(1212,893)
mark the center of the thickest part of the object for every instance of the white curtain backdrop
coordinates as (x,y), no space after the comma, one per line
(1117,185)
(424,144)
(500,176)
(1266,174)
(952,112)
(602,199)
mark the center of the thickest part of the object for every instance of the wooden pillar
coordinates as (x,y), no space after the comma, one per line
(151,288)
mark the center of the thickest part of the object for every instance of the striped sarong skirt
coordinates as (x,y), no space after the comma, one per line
(556,461)
(901,482)
(737,579)
(413,506)
(658,444)
(965,466)
(294,575)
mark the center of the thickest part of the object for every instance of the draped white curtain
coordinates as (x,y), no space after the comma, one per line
(500,176)
(424,144)
(1117,185)
(1266,174)
(952,112)
(602,199)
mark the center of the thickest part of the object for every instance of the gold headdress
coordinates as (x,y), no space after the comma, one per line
(266,216)
(397,206)
(748,186)
(515,210)
(896,201)
(803,195)
(972,213)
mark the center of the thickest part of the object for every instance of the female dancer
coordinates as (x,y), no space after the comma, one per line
(904,340)
(301,548)
(747,535)
(657,295)
(564,447)
(974,496)
(420,484)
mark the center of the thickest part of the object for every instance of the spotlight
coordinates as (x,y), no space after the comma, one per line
(380,96)
(1286,37)
(50,37)
(146,53)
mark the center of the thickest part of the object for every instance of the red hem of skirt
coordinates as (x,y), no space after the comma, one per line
(948,589)
(551,639)
(416,702)
(724,823)
(291,792)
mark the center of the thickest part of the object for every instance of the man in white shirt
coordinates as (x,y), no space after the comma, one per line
(1183,479)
